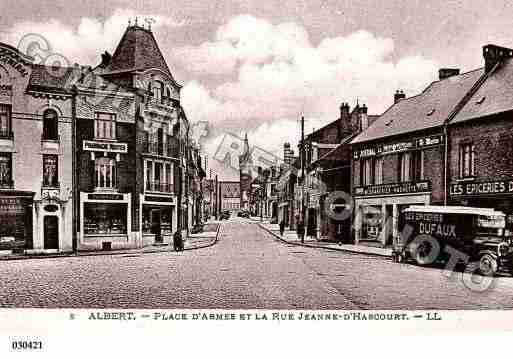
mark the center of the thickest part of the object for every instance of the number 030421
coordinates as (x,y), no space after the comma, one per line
(27,345)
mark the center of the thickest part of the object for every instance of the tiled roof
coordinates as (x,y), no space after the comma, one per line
(426,110)
(137,50)
(52,78)
(495,95)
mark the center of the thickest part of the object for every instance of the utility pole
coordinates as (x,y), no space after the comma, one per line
(303,171)
(216,198)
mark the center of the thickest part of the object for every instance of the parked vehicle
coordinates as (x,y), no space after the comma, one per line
(244,214)
(426,232)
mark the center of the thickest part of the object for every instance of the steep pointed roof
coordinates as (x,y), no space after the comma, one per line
(246,154)
(137,50)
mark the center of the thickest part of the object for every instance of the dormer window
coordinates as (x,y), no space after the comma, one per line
(50,125)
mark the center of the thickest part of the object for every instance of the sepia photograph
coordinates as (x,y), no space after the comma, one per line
(292,161)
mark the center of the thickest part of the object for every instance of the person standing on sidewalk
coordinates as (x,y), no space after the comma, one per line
(282,227)
(301,230)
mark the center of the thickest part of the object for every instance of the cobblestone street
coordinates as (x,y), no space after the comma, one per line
(247,268)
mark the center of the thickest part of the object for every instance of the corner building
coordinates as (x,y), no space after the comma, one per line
(131,139)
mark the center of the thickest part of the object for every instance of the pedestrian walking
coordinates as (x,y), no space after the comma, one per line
(282,227)
(301,230)
(178,241)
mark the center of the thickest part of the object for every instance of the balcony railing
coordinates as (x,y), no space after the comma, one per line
(159,187)
(159,149)
(6,134)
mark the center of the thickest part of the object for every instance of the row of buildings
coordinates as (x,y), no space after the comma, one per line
(452,144)
(94,158)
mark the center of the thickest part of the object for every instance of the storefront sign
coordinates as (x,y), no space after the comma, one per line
(423,142)
(158,199)
(393,188)
(9,57)
(482,188)
(115,147)
(105,197)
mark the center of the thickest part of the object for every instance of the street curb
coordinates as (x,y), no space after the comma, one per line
(113,253)
(209,244)
(322,247)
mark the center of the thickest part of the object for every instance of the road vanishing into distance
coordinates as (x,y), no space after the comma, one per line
(248,268)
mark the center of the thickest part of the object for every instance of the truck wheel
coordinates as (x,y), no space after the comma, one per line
(488,265)
(423,255)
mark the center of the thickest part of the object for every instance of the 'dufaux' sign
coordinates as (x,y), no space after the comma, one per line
(100,146)
(482,188)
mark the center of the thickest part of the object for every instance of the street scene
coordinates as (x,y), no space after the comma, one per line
(247,268)
(153,158)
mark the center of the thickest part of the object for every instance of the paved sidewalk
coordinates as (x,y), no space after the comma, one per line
(204,239)
(292,238)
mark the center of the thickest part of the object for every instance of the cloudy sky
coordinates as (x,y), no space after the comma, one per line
(256,66)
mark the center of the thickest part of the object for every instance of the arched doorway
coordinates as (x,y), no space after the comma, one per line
(51,232)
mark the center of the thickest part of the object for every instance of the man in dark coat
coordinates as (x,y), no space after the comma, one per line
(301,230)
(282,227)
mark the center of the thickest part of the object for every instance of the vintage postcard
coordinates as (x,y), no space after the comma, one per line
(194,172)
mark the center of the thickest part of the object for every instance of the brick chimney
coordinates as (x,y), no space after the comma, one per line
(363,120)
(493,54)
(344,110)
(399,95)
(446,73)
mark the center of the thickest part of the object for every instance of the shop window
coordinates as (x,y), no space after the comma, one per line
(157,219)
(371,222)
(5,170)
(50,126)
(105,218)
(105,126)
(105,172)
(5,121)
(467,159)
(50,172)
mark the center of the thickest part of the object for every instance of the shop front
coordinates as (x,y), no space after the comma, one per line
(16,230)
(493,193)
(158,221)
(105,221)
(377,209)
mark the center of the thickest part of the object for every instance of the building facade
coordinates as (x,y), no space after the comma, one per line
(480,139)
(328,177)
(229,196)
(35,155)
(113,165)
(399,160)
